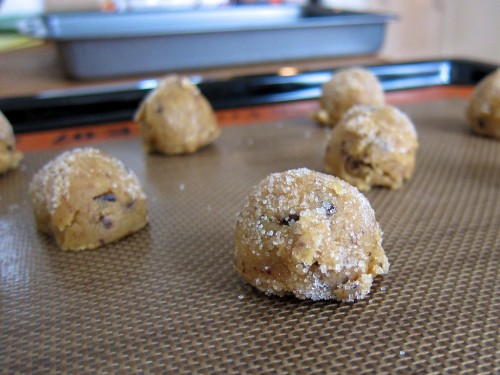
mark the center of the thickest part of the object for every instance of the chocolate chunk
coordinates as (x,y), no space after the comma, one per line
(287,220)
(481,123)
(329,208)
(356,167)
(9,148)
(352,164)
(159,108)
(130,204)
(107,197)
(108,224)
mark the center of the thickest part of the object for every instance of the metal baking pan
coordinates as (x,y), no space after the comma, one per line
(98,45)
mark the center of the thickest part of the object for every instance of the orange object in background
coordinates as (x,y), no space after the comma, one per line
(78,136)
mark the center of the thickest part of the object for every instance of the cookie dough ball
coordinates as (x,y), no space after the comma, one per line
(9,157)
(310,235)
(372,146)
(484,107)
(176,118)
(346,89)
(86,199)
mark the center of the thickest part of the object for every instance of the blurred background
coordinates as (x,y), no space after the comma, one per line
(425,29)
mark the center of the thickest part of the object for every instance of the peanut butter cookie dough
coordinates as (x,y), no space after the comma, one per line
(9,157)
(86,199)
(372,146)
(310,235)
(176,118)
(347,88)
(484,107)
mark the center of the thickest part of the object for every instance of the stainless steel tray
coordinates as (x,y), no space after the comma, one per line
(95,45)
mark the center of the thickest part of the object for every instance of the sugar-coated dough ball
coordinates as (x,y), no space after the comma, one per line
(86,199)
(347,88)
(484,107)
(176,118)
(311,235)
(9,157)
(372,146)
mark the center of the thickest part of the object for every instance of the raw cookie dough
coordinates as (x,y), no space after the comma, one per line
(311,235)
(347,88)
(484,107)
(372,146)
(86,199)
(176,118)
(9,157)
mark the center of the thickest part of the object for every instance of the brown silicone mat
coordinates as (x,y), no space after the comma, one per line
(167,300)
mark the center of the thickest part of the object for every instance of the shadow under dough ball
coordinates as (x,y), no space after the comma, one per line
(310,235)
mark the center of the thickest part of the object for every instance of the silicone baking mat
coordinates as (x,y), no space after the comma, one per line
(167,299)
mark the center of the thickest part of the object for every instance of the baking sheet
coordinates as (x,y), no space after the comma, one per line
(167,299)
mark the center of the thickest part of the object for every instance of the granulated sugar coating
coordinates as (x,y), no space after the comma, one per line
(9,156)
(347,88)
(86,199)
(372,146)
(311,235)
(483,111)
(176,118)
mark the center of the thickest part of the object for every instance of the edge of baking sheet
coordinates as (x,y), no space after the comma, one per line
(76,107)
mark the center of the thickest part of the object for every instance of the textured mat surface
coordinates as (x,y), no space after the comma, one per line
(167,299)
